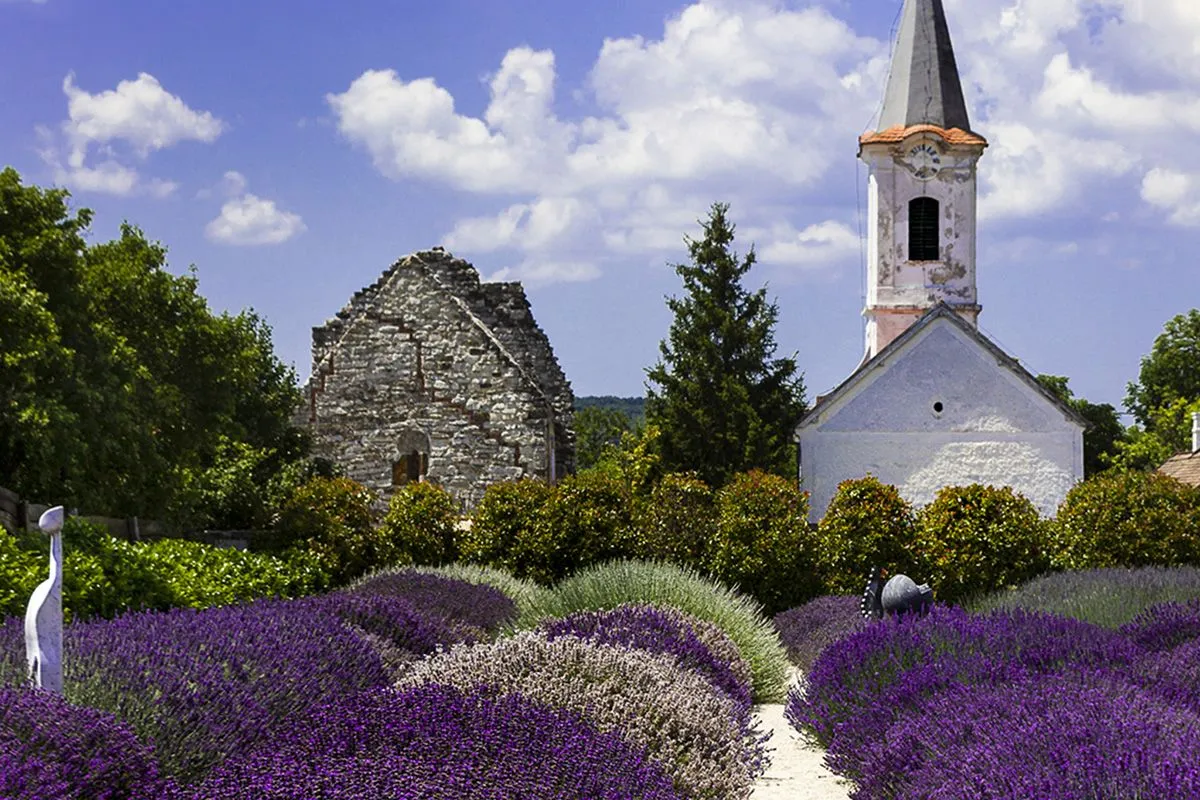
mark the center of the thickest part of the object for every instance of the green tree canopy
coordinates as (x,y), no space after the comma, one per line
(1169,373)
(597,429)
(723,403)
(1100,439)
(119,388)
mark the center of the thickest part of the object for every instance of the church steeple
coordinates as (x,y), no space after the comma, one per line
(923,87)
(921,191)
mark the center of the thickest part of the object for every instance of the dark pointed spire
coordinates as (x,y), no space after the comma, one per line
(923,87)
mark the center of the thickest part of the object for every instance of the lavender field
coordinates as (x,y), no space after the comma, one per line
(630,680)
(1013,701)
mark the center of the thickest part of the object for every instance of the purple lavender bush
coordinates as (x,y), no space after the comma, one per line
(397,621)
(1165,626)
(203,684)
(52,749)
(480,606)
(665,631)
(1173,675)
(1084,734)
(808,629)
(859,684)
(705,741)
(437,741)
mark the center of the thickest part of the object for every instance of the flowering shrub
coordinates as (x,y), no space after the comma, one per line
(525,593)
(1108,597)
(420,527)
(867,524)
(1173,675)
(202,684)
(808,629)
(1165,626)
(974,539)
(478,605)
(51,749)
(859,683)
(1127,519)
(397,621)
(606,586)
(438,741)
(700,736)
(656,630)
(1050,737)
(763,544)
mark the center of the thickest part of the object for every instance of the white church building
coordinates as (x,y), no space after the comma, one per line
(934,402)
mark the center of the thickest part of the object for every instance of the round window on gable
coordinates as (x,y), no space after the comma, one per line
(938,408)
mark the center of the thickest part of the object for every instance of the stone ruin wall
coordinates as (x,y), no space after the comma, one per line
(408,364)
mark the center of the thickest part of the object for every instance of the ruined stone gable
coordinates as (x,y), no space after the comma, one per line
(429,374)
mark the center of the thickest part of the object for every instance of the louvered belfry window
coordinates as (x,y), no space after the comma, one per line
(923,222)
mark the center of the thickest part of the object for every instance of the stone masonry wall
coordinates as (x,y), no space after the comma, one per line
(420,360)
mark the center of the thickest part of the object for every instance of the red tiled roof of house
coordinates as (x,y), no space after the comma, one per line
(1184,467)
(898,133)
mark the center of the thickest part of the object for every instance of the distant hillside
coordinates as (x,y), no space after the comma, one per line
(632,407)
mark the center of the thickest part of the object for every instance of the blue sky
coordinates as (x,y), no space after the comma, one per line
(291,151)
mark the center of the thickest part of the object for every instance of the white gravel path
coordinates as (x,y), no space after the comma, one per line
(797,771)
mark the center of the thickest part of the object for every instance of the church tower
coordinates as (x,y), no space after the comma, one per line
(921,185)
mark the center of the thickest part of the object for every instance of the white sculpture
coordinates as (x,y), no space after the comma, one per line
(44,619)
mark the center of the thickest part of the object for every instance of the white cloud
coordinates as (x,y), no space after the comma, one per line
(821,245)
(140,116)
(732,93)
(751,101)
(1174,192)
(247,219)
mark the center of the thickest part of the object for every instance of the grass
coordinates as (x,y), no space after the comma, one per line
(606,586)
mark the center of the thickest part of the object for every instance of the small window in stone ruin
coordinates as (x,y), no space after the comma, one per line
(411,468)
(924,218)
(937,407)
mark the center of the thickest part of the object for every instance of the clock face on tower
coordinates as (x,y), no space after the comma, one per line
(924,160)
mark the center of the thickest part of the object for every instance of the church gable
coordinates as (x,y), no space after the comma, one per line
(943,380)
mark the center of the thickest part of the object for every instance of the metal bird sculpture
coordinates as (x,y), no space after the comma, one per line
(44,618)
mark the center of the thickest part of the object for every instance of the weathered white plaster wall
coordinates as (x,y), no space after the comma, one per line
(993,428)
(894,282)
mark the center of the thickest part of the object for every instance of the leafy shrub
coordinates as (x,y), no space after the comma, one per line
(505,533)
(330,517)
(420,527)
(606,586)
(975,539)
(763,544)
(203,684)
(664,631)
(1108,597)
(808,629)
(51,749)
(867,524)
(1088,734)
(699,735)
(860,683)
(20,572)
(588,519)
(678,520)
(440,741)
(1128,519)
(478,605)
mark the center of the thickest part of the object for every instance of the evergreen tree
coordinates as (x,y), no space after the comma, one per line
(723,404)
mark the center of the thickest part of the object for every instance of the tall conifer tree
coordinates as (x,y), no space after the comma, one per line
(723,402)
